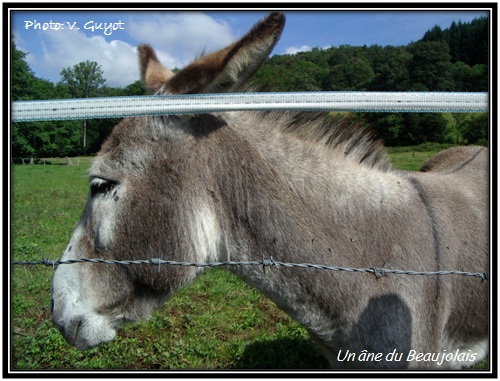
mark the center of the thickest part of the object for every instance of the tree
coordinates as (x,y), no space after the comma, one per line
(474,128)
(274,77)
(434,34)
(353,75)
(136,88)
(430,68)
(407,129)
(468,42)
(32,139)
(468,78)
(83,80)
(22,76)
(350,69)
(393,74)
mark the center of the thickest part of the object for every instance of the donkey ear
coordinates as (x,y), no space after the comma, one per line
(230,68)
(153,73)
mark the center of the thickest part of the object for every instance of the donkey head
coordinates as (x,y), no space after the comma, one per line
(150,197)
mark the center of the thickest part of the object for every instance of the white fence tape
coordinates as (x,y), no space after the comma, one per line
(118,107)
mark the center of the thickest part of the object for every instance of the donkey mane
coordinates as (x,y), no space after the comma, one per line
(338,133)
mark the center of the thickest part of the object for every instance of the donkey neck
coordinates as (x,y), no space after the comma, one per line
(303,203)
(281,194)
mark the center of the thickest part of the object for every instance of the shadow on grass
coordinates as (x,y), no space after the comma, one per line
(283,353)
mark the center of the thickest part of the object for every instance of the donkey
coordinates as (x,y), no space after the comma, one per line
(237,185)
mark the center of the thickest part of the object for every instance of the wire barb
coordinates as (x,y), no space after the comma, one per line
(50,262)
(268,262)
(379,272)
(156,261)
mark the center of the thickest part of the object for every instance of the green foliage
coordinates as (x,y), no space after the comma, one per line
(45,139)
(353,74)
(393,72)
(468,42)
(135,88)
(473,128)
(409,129)
(22,76)
(83,79)
(468,78)
(430,68)
(300,72)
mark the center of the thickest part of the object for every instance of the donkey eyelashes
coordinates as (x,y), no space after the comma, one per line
(101,186)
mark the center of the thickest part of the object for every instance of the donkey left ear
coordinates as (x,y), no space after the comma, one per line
(153,73)
(229,69)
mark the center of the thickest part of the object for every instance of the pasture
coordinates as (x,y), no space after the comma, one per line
(217,322)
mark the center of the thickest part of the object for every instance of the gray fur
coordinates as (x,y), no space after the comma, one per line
(242,184)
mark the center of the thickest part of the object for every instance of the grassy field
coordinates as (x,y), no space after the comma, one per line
(217,322)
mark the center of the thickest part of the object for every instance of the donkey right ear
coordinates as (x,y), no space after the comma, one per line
(153,73)
(230,68)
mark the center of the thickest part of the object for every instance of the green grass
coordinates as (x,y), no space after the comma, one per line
(217,322)
(412,158)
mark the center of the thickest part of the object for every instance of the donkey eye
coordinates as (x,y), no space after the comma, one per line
(101,186)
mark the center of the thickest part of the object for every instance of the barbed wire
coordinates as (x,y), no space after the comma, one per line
(377,271)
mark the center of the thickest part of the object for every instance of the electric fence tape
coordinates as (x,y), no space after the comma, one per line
(119,107)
